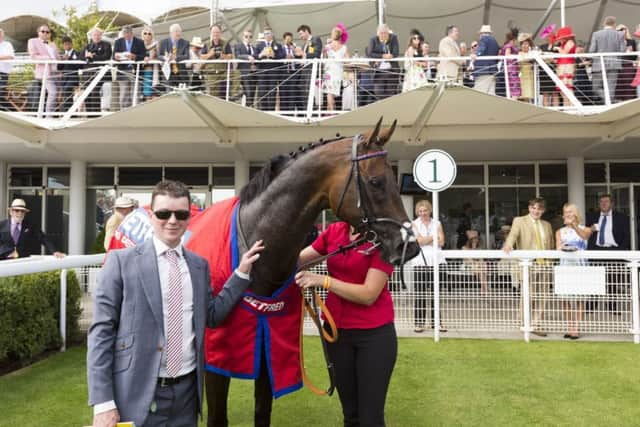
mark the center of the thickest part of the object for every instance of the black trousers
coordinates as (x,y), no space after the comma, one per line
(289,91)
(249,81)
(68,86)
(364,360)
(423,280)
(267,89)
(385,83)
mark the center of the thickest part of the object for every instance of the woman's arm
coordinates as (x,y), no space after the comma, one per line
(558,240)
(361,293)
(583,232)
(308,254)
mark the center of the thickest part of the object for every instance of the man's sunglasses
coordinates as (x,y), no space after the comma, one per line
(45,31)
(165,214)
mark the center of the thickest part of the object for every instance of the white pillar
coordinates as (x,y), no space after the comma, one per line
(381,19)
(77,207)
(406,166)
(575,179)
(3,186)
(241,174)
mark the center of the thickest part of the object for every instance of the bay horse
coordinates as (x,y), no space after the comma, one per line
(351,176)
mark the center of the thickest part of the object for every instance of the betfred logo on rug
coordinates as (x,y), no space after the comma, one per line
(263,306)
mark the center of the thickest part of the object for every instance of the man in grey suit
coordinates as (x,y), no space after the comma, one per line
(607,40)
(145,356)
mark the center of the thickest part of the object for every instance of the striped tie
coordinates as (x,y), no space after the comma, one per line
(174,316)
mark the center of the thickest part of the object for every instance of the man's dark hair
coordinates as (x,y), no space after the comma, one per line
(450,29)
(607,196)
(304,27)
(173,189)
(538,201)
(287,34)
(67,39)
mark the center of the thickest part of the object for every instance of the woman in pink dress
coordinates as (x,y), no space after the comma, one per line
(510,48)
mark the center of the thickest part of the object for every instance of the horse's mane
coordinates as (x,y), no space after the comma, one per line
(263,178)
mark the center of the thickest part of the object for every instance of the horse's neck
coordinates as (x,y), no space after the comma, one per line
(283,216)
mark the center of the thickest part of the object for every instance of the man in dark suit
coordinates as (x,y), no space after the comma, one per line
(69,79)
(18,238)
(607,40)
(384,45)
(145,355)
(612,234)
(96,50)
(269,51)
(127,48)
(247,52)
(173,51)
(290,76)
(312,49)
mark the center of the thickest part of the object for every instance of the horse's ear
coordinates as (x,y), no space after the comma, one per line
(373,137)
(389,134)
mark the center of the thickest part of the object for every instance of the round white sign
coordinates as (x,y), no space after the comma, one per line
(434,170)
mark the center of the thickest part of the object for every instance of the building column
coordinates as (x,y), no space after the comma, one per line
(241,171)
(4,187)
(77,207)
(406,166)
(575,179)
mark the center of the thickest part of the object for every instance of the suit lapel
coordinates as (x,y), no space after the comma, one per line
(150,278)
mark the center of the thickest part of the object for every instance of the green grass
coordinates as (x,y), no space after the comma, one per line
(452,383)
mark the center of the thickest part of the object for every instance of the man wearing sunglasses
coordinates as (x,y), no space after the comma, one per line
(145,356)
(246,51)
(42,49)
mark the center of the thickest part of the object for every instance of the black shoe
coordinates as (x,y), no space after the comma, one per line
(574,337)
(566,336)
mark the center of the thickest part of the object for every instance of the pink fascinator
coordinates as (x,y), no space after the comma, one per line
(547,31)
(343,30)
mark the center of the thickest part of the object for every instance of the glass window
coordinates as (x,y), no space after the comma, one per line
(504,205)
(595,172)
(25,177)
(469,175)
(99,208)
(57,218)
(98,176)
(462,209)
(187,175)
(553,174)
(555,198)
(219,194)
(223,176)
(254,170)
(511,174)
(624,172)
(592,195)
(139,175)
(58,177)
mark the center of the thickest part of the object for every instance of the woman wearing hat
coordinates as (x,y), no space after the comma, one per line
(527,91)
(509,48)
(19,238)
(122,207)
(196,79)
(547,87)
(566,66)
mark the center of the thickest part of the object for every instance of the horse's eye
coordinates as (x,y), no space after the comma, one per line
(376,182)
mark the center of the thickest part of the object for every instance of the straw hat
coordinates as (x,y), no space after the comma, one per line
(124,202)
(19,205)
(197,42)
(485,29)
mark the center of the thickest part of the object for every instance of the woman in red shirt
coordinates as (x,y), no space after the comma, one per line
(359,301)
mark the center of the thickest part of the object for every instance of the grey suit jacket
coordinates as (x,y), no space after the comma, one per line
(607,40)
(126,338)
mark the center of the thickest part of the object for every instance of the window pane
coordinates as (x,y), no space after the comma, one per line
(553,174)
(592,194)
(189,176)
(555,198)
(219,194)
(624,172)
(139,176)
(504,205)
(100,177)
(459,209)
(223,176)
(595,172)
(57,219)
(511,174)
(99,207)
(470,175)
(58,177)
(25,177)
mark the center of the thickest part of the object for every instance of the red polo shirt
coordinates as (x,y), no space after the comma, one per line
(352,267)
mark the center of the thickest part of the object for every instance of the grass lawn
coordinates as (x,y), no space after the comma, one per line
(452,383)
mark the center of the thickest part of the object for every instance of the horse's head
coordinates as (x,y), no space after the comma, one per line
(369,199)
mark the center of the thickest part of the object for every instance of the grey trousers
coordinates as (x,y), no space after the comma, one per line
(175,405)
(597,82)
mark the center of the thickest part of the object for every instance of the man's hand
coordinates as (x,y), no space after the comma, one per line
(59,254)
(106,419)
(250,257)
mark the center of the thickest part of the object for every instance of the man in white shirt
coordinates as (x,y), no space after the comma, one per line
(145,357)
(6,53)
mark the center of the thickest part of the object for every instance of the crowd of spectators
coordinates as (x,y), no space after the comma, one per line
(271,73)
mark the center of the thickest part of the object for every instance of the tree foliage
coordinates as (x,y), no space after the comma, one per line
(78,27)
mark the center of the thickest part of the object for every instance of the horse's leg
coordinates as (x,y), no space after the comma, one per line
(262,396)
(217,395)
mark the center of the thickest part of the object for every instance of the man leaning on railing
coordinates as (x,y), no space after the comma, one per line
(6,53)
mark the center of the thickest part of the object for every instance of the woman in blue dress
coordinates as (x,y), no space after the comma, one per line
(572,237)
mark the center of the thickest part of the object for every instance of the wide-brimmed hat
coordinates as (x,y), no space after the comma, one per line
(485,29)
(564,33)
(124,202)
(523,37)
(548,31)
(19,205)
(197,42)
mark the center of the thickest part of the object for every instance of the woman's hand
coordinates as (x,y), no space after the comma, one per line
(250,257)
(305,279)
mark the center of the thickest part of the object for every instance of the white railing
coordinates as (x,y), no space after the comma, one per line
(482,293)
(302,88)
